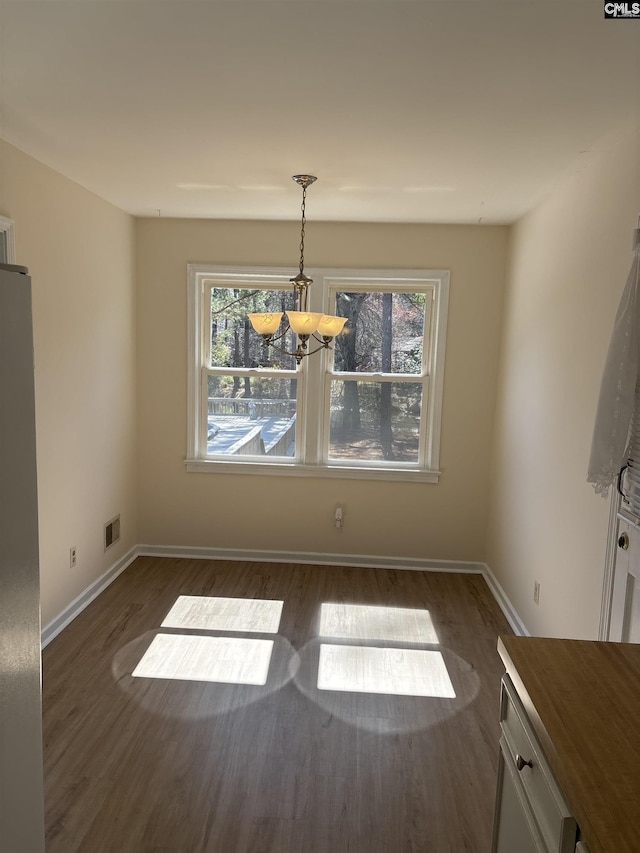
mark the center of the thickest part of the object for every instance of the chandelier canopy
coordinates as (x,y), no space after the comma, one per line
(306,324)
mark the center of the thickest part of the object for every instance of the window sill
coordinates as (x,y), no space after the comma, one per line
(405,475)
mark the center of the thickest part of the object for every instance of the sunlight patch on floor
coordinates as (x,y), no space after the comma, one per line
(255,615)
(400,672)
(227,660)
(364,622)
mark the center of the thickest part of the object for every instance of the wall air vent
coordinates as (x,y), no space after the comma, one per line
(111,532)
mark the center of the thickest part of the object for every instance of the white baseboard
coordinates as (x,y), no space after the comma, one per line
(85,598)
(365,561)
(505,605)
(356,560)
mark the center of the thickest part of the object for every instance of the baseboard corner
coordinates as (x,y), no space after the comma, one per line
(510,613)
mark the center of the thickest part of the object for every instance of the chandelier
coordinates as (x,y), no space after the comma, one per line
(306,324)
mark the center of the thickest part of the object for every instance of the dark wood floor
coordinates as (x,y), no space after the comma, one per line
(140,765)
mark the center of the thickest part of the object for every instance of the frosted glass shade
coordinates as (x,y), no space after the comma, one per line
(330,327)
(303,322)
(265,324)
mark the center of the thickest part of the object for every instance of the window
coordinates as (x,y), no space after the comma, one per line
(367,407)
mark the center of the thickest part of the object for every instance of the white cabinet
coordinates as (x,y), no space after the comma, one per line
(570,708)
(625,603)
(514,826)
(531,814)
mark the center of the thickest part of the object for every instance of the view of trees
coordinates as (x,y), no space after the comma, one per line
(372,417)
(384,334)
(235,344)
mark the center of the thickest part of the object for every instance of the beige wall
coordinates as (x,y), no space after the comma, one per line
(442,521)
(80,253)
(569,261)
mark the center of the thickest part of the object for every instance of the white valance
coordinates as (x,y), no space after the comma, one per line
(609,448)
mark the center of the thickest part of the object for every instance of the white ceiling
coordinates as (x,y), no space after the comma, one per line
(425,111)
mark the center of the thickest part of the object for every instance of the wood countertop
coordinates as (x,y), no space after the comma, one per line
(583,701)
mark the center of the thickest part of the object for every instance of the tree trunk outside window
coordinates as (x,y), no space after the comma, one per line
(350,308)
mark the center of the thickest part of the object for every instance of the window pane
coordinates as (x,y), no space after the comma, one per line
(251,415)
(233,340)
(383,333)
(375,421)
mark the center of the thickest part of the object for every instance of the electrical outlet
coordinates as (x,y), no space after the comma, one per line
(72,556)
(536,592)
(338,518)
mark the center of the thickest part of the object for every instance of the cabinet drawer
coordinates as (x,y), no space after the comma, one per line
(555,822)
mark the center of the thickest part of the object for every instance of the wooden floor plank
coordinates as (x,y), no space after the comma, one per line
(141,765)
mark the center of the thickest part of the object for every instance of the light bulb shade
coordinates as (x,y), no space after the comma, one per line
(330,327)
(303,322)
(265,324)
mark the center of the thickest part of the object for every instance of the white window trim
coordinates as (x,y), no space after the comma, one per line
(324,280)
(8,228)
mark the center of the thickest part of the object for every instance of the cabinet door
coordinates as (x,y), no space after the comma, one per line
(514,830)
(625,606)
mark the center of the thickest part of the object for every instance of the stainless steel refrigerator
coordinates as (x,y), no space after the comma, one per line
(21,787)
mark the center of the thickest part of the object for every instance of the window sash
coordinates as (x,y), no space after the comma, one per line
(298,375)
(382,284)
(424,381)
(258,280)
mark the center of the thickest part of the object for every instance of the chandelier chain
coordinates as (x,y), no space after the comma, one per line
(304,201)
(308,326)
